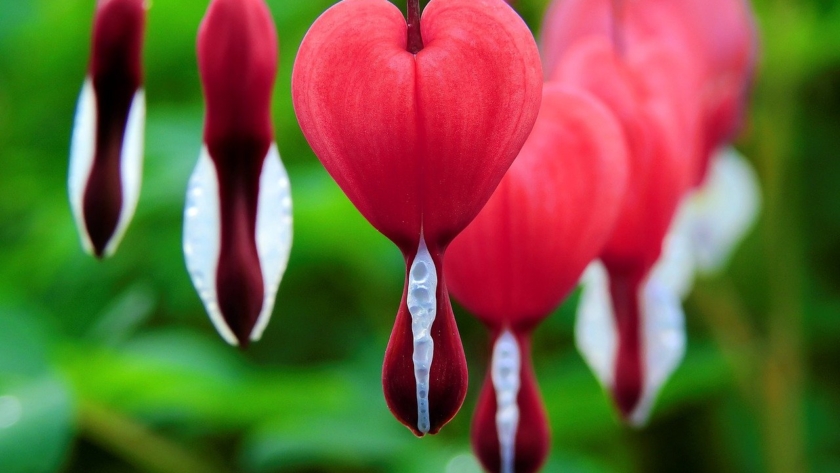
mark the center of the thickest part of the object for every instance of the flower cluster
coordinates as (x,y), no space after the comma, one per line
(237,222)
(503,175)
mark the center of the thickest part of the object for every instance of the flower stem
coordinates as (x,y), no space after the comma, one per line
(415,39)
(136,444)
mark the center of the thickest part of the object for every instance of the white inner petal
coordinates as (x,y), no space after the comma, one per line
(131,167)
(82,148)
(595,331)
(676,265)
(422,305)
(663,341)
(274,232)
(505,371)
(724,209)
(201,239)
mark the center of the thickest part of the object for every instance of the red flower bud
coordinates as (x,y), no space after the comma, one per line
(237,225)
(106,159)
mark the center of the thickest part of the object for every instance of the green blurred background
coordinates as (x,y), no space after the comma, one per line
(114,367)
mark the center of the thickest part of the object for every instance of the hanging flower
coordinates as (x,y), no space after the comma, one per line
(417,123)
(106,156)
(514,264)
(238,221)
(620,332)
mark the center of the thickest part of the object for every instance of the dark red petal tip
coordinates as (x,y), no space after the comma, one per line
(448,374)
(532,442)
(629,373)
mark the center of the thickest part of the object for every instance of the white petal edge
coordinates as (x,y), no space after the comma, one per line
(506,374)
(676,266)
(202,239)
(595,331)
(82,148)
(274,232)
(663,341)
(662,326)
(131,168)
(724,209)
(202,236)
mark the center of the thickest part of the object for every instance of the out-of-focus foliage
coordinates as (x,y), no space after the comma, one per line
(113,366)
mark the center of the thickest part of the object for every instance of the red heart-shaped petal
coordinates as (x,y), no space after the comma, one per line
(662,151)
(549,217)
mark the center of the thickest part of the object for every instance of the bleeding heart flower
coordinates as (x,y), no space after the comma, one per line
(630,322)
(525,251)
(106,157)
(238,221)
(417,123)
(642,88)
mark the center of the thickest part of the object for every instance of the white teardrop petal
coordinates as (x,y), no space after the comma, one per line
(595,331)
(663,341)
(202,236)
(505,372)
(82,149)
(422,305)
(274,232)
(676,265)
(131,167)
(724,209)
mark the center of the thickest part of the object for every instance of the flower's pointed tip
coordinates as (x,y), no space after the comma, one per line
(448,375)
(238,325)
(663,338)
(99,253)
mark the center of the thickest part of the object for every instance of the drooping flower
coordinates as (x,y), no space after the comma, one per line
(525,251)
(238,221)
(619,331)
(417,123)
(106,157)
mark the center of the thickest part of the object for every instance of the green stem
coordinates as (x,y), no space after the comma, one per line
(136,444)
